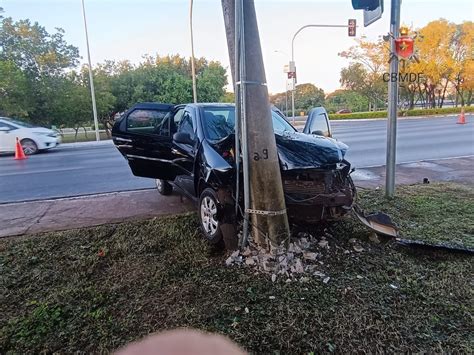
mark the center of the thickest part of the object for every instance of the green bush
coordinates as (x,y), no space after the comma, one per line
(402,113)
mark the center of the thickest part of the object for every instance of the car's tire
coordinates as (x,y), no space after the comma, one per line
(29,146)
(209,209)
(163,187)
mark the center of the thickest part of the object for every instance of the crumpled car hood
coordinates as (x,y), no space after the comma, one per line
(304,151)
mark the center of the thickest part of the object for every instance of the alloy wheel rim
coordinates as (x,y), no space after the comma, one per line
(159,184)
(28,147)
(208,215)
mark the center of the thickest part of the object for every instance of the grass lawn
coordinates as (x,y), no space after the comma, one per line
(81,137)
(95,289)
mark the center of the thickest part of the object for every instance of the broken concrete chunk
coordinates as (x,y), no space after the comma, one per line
(247,252)
(323,243)
(250,261)
(299,266)
(310,255)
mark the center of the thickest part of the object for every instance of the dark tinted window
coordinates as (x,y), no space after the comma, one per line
(10,127)
(186,125)
(22,124)
(147,121)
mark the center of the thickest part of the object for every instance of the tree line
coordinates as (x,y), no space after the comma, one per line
(42,82)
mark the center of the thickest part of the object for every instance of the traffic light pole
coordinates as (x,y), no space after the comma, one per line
(392,102)
(293,60)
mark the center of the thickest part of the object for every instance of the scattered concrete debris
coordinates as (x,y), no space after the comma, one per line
(300,261)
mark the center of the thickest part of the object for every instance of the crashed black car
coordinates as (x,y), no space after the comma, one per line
(191,147)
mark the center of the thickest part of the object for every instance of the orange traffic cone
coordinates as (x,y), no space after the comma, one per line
(19,153)
(461,118)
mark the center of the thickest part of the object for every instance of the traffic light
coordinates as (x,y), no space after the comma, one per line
(351,27)
(366,4)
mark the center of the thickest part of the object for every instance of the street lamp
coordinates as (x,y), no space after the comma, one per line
(193,70)
(91,80)
(292,63)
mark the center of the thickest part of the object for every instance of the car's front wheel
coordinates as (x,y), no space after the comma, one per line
(29,146)
(208,216)
(164,187)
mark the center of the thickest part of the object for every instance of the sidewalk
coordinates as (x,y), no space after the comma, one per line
(62,214)
(76,212)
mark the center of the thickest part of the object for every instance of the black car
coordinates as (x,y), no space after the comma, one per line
(191,147)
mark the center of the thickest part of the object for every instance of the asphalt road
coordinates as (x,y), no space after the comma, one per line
(81,170)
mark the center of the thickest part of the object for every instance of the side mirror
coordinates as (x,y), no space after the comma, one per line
(184,138)
(318,133)
(4,129)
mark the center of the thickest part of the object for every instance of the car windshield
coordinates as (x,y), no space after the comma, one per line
(219,122)
(21,123)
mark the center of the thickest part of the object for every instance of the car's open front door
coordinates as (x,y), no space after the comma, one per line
(318,122)
(144,136)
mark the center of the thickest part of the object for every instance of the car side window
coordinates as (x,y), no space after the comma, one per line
(186,125)
(6,125)
(148,122)
(177,117)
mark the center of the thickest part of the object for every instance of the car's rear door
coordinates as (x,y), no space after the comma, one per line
(7,137)
(144,136)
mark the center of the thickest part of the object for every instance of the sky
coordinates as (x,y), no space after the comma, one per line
(129,29)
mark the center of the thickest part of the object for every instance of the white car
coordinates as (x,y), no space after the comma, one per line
(32,138)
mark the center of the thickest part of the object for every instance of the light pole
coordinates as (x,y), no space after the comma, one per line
(293,59)
(91,80)
(193,70)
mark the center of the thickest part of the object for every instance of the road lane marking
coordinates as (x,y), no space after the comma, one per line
(27,172)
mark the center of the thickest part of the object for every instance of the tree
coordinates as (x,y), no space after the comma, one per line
(463,69)
(42,59)
(14,100)
(34,50)
(307,96)
(346,99)
(364,74)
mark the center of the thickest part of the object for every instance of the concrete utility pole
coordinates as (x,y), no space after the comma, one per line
(392,102)
(91,80)
(193,70)
(267,201)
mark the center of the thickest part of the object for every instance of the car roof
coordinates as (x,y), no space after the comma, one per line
(212,104)
(152,105)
